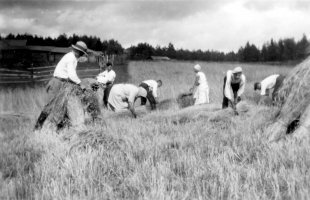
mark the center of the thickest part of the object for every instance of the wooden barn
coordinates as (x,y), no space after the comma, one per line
(16,53)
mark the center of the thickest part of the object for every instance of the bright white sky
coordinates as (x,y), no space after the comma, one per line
(223,25)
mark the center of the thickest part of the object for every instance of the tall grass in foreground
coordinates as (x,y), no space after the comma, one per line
(160,155)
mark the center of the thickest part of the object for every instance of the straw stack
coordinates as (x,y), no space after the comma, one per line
(54,115)
(294,98)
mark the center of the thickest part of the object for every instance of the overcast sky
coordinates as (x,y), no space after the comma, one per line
(222,25)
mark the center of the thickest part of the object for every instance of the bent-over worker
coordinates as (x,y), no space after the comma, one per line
(233,88)
(201,87)
(271,82)
(151,87)
(123,96)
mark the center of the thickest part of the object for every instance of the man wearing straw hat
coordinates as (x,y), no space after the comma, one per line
(201,88)
(233,88)
(123,96)
(271,82)
(65,70)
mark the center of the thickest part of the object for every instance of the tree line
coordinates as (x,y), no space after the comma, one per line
(272,51)
(107,46)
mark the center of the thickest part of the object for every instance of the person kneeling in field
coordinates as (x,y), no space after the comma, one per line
(151,87)
(233,88)
(271,82)
(201,88)
(123,96)
(107,78)
(65,70)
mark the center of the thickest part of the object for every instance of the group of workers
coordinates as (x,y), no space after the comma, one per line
(118,97)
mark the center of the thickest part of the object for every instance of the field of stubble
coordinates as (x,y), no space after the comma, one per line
(166,154)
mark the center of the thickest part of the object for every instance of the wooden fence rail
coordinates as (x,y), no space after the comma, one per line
(39,74)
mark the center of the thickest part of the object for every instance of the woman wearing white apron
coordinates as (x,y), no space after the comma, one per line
(201,92)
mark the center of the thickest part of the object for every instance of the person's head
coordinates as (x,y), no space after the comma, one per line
(79,49)
(237,72)
(257,86)
(109,66)
(197,68)
(159,83)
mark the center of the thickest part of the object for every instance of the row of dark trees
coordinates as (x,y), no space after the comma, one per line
(282,50)
(144,51)
(93,42)
(272,51)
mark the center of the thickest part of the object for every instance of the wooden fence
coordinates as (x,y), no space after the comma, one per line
(35,75)
(40,74)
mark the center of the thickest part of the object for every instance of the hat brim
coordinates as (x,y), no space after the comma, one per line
(79,49)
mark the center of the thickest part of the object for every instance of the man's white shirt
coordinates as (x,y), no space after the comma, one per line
(106,76)
(153,86)
(66,68)
(268,83)
(228,92)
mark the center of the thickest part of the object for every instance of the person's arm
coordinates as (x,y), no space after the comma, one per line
(242,86)
(263,89)
(131,101)
(196,83)
(232,104)
(132,109)
(72,73)
(228,90)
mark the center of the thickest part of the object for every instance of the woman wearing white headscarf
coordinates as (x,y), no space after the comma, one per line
(200,87)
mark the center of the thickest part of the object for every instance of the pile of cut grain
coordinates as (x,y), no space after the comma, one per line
(294,98)
(55,112)
(185,100)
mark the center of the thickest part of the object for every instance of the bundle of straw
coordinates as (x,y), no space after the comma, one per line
(54,114)
(185,100)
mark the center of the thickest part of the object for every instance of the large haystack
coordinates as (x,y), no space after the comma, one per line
(68,107)
(294,98)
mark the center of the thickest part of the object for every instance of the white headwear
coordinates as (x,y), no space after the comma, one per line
(237,70)
(197,67)
(80,46)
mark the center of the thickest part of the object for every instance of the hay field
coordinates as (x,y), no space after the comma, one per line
(167,154)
